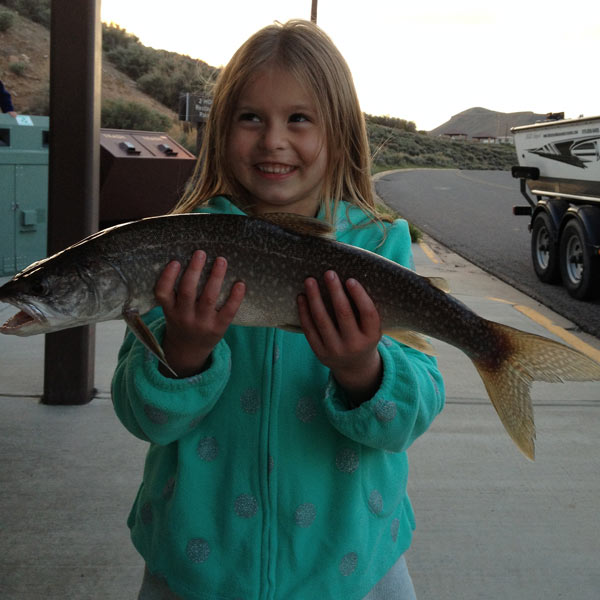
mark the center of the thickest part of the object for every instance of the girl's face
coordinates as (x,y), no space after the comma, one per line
(276,147)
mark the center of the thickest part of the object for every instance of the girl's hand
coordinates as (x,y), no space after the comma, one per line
(194,326)
(347,342)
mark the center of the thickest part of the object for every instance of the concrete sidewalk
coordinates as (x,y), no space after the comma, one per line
(489,523)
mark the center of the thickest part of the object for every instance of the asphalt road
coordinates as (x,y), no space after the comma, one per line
(470,212)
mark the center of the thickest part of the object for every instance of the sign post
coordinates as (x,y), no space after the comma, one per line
(194,108)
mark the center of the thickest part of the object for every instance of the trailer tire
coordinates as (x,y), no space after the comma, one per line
(544,249)
(579,268)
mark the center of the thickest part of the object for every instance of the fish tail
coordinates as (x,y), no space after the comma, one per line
(523,359)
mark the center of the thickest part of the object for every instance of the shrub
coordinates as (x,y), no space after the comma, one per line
(36,10)
(156,86)
(18,68)
(393,122)
(171,76)
(119,114)
(7,19)
(188,139)
(114,36)
(134,60)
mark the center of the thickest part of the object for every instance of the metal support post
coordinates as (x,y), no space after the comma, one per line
(73,192)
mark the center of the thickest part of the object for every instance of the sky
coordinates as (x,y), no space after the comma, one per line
(421,61)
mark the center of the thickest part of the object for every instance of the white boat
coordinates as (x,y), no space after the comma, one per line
(567,154)
(559,161)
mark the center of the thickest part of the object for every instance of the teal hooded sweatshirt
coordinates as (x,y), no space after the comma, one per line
(260,482)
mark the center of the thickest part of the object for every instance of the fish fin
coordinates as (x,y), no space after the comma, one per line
(141,331)
(412,339)
(529,358)
(300,224)
(440,283)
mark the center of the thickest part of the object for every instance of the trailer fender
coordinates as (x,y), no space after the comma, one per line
(555,209)
(589,217)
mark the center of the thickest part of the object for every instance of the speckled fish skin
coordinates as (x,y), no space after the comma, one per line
(112,275)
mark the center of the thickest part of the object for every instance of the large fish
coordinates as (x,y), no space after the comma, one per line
(111,275)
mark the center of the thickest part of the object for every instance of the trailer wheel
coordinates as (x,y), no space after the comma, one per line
(579,268)
(544,250)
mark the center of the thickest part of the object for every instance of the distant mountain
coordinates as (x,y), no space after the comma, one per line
(483,122)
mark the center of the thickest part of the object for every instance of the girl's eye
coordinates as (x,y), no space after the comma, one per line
(298,118)
(249,117)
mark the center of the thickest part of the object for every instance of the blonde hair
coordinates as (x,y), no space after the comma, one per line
(307,53)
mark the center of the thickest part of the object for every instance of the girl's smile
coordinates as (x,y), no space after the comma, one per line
(274,170)
(276,149)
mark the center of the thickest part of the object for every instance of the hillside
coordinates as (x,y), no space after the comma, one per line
(483,122)
(28,44)
(394,149)
(24,69)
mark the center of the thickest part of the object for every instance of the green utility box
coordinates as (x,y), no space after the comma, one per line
(23,191)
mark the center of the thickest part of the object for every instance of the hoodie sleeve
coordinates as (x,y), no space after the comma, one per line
(411,393)
(159,409)
(410,396)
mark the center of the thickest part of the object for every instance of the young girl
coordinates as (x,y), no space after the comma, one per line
(277,463)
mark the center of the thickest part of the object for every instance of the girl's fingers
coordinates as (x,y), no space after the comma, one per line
(344,313)
(320,317)
(188,284)
(212,288)
(164,289)
(185,298)
(369,319)
(352,329)
(230,308)
(308,326)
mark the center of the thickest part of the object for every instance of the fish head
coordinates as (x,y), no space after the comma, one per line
(55,294)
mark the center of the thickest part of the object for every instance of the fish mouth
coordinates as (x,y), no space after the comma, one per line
(25,318)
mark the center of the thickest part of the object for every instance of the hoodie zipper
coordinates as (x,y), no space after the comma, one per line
(268,460)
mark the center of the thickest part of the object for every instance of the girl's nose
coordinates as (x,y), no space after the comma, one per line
(274,137)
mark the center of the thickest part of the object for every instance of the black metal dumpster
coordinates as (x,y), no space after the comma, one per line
(142,174)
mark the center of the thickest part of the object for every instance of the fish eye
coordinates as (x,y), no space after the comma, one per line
(39,288)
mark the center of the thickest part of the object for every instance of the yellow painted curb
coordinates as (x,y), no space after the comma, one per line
(431,255)
(563,334)
(557,330)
